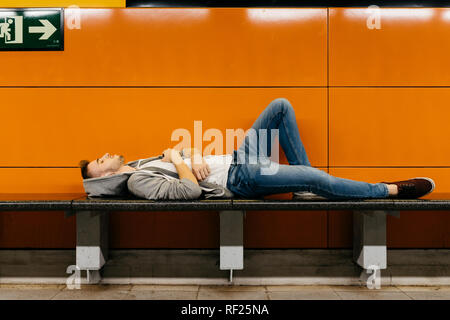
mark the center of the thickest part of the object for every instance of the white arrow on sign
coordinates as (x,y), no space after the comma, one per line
(47,29)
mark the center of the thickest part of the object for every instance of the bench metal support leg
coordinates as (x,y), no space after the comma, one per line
(231,241)
(369,240)
(92,243)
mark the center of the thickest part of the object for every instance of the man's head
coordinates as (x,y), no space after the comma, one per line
(104,166)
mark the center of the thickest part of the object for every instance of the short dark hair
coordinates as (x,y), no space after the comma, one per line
(83,164)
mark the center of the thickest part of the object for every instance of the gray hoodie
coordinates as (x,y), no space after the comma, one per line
(153,183)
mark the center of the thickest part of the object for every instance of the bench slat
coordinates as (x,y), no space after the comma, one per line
(77,202)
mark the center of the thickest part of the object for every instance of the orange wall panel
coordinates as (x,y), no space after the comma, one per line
(180,47)
(40,180)
(60,126)
(409,48)
(389,127)
(414,229)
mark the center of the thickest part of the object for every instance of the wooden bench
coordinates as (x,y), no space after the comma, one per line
(369,222)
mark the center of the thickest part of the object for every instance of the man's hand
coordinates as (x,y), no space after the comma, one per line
(200,168)
(171,155)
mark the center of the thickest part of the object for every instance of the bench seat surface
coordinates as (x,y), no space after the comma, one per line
(79,202)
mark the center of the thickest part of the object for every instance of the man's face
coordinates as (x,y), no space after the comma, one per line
(106,165)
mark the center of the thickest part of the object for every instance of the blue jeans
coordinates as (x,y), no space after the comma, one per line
(247,179)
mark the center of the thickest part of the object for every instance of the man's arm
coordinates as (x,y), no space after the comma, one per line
(172,155)
(154,187)
(200,168)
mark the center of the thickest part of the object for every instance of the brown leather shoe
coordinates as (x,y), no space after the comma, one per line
(413,188)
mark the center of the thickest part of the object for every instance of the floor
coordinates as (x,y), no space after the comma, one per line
(192,292)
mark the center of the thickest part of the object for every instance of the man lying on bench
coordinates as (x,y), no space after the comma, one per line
(247,172)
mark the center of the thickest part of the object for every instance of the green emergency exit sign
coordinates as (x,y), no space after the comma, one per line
(31,29)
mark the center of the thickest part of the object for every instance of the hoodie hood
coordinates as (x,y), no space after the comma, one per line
(114,185)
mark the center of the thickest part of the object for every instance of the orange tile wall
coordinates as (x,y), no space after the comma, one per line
(129,77)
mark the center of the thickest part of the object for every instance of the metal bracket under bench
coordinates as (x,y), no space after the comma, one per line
(92,243)
(369,242)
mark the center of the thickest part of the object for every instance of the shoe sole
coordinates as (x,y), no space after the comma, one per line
(430,180)
(316,197)
(307,196)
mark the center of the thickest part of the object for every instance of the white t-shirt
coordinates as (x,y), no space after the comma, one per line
(218,165)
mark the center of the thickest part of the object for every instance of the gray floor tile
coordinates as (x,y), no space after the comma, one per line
(231,295)
(304,295)
(233,288)
(21,292)
(95,292)
(365,289)
(428,295)
(161,295)
(146,287)
(283,288)
(372,295)
(424,288)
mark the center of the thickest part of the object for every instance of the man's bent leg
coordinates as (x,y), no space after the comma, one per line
(292,178)
(280,115)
